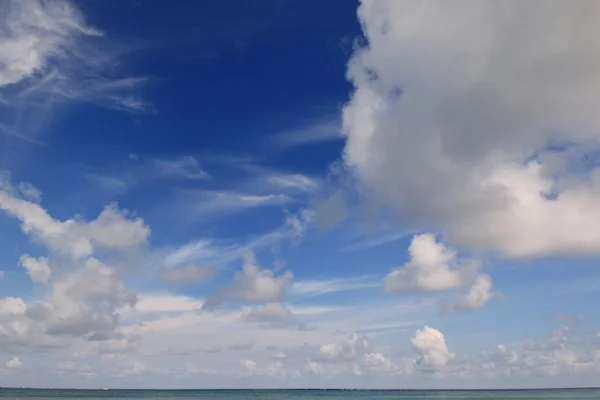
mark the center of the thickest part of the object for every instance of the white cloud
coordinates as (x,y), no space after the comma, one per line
(427,270)
(319,132)
(34,32)
(298,182)
(476,296)
(252,285)
(208,202)
(10,306)
(250,365)
(347,350)
(48,56)
(319,287)
(112,229)
(448,148)
(14,363)
(433,267)
(85,295)
(38,269)
(431,345)
(159,303)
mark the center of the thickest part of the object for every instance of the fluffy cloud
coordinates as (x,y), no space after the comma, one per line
(85,296)
(431,345)
(427,270)
(475,297)
(252,285)
(38,269)
(562,354)
(347,350)
(14,363)
(434,267)
(491,148)
(112,229)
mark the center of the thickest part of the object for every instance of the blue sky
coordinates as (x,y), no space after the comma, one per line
(298,194)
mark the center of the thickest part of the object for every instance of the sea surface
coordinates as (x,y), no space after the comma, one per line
(567,394)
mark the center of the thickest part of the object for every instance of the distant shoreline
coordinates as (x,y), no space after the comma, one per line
(305,389)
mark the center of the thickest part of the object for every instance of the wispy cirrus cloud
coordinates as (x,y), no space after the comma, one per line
(49,56)
(311,288)
(138,170)
(205,203)
(324,131)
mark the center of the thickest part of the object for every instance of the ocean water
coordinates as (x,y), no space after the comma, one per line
(567,394)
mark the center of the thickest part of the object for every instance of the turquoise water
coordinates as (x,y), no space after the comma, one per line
(567,394)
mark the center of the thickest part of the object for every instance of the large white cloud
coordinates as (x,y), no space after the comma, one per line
(474,117)
(85,296)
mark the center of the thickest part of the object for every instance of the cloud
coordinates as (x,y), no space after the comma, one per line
(320,287)
(188,167)
(112,229)
(431,345)
(475,297)
(212,252)
(166,303)
(49,55)
(433,267)
(562,354)
(35,32)
(348,350)
(209,202)
(427,270)
(188,275)
(85,295)
(251,285)
(490,149)
(317,133)
(138,171)
(294,182)
(38,269)
(250,365)
(14,363)
(273,316)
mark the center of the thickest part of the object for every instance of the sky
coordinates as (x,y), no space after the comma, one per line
(297,193)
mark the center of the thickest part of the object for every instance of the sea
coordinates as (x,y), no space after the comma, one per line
(567,394)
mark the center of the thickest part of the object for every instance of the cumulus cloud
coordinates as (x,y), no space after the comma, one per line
(431,346)
(112,229)
(475,297)
(38,268)
(344,351)
(491,147)
(434,267)
(14,363)
(252,285)
(427,270)
(85,295)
